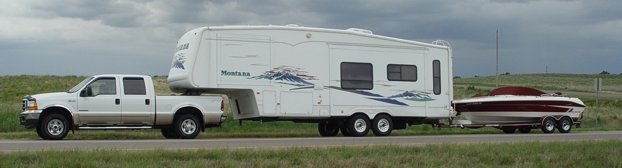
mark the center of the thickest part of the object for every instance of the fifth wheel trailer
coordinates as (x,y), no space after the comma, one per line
(345,80)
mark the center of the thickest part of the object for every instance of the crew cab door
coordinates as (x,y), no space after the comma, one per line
(137,104)
(99,102)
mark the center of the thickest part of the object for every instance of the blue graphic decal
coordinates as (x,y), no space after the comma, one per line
(287,75)
(413,96)
(180,59)
(390,101)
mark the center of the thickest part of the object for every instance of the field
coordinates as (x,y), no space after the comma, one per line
(13,88)
(532,154)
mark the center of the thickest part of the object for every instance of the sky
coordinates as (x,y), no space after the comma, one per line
(78,37)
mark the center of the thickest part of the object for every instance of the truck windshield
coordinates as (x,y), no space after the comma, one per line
(79,85)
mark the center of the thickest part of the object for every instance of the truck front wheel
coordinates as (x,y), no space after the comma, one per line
(53,127)
(187,126)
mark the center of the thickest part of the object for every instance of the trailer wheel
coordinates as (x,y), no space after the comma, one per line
(358,125)
(168,133)
(564,125)
(382,125)
(524,130)
(508,130)
(328,128)
(187,126)
(53,127)
(548,125)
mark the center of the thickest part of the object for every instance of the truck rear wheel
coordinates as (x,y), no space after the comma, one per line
(382,125)
(328,128)
(53,127)
(187,126)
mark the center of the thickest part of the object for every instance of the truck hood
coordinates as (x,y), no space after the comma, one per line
(47,96)
(62,99)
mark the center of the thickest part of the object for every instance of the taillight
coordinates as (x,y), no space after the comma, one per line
(222,105)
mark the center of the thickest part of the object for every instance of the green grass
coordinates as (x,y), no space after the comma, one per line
(526,154)
(563,82)
(13,88)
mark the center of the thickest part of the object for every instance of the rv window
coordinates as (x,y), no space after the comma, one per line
(134,86)
(397,72)
(436,77)
(356,76)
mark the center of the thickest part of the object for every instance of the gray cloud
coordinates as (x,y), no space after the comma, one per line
(61,37)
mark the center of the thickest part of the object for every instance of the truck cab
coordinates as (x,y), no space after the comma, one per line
(115,101)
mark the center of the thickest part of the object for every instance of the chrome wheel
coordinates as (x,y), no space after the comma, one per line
(549,125)
(383,125)
(188,126)
(564,125)
(56,127)
(360,125)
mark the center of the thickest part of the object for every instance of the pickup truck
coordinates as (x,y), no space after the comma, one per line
(108,102)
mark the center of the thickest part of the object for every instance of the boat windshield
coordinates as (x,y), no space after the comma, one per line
(79,85)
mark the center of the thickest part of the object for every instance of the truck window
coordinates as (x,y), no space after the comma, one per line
(436,77)
(104,86)
(398,72)
(134,86)
(356,76)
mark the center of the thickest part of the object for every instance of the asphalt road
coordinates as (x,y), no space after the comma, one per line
(20,145)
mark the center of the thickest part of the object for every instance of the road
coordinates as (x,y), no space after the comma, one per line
(20,145)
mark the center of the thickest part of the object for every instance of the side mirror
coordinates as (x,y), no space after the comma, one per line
(87,92)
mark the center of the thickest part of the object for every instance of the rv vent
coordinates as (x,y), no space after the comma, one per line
(292,25)
(360,30)
(441,43)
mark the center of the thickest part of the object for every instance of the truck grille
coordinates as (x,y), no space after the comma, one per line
(24,103)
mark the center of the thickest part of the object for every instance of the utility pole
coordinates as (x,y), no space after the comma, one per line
(497,72)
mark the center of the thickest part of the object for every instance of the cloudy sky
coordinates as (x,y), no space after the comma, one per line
(78,37)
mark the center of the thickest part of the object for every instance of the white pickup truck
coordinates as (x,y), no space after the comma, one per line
(108,102)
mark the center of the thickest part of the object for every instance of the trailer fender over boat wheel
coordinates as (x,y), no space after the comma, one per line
(548,125)
(382,125)
(564,125)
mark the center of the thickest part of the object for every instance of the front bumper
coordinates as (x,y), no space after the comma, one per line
(29,119)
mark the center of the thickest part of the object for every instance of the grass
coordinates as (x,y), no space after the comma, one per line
(525,154)
(13,88)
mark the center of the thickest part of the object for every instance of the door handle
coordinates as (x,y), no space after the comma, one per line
(147,102)
(117,101)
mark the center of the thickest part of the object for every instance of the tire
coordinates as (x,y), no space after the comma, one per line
(564,125)
(358,125)
(53,127)
(187,126)
(382,125)
(344,130)
(548,125)
(508,130)
(524,130)
(328,128)
(168,133)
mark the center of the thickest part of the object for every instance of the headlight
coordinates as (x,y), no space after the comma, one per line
(32,105)
(29,104)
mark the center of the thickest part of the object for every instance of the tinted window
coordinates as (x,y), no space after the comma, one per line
(436,77)
(103,86)
(397,72)
(356,76)
(134,86)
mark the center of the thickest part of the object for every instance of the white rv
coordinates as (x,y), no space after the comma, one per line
(344,80)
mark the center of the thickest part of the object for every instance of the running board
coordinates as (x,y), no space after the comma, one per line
(114,128)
